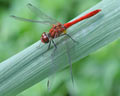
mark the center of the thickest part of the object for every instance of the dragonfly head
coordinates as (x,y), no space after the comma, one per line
(44,38)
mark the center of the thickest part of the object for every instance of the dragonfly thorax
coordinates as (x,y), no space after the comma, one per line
(56,30)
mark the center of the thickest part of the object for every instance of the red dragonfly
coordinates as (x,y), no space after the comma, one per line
(57,29)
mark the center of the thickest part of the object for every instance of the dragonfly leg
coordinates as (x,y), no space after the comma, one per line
(54,44)
(49,45)
(55,48)
(70,37)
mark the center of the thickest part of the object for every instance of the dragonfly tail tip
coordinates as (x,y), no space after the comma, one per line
(99,10)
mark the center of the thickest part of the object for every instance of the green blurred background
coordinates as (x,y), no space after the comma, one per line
(96,75)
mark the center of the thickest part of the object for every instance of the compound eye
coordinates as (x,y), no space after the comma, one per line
(44,38)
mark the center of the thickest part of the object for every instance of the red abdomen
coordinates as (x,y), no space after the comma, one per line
(90,14)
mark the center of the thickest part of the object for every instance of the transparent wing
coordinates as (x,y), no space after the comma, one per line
(29,20)
(52,78)
(69,61)
(44,17)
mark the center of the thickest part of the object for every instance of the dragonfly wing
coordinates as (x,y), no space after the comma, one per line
(29,20)
(69,61)
(42,15)
(50,82)
(51,79)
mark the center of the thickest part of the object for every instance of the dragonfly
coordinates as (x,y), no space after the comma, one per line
(58,29)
